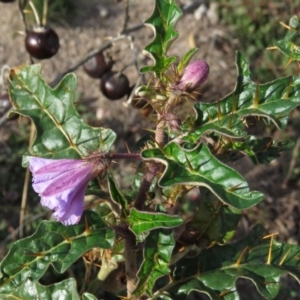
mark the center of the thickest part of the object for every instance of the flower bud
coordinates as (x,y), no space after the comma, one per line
(193,76)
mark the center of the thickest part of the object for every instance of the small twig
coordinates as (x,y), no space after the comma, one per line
(45,12)
(25,186)
(129,100)
(126,18)
(292,163)
(35,13)
(22,4)
(191,6)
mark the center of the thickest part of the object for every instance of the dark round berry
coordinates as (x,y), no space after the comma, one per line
(96,66)
(7,1)
(114,85)
(42,42)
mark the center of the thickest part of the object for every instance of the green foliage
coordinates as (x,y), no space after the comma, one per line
(289,44)
(30,289)
(162,22)
(158,249)
(256,257)
(141,222)
(55,244)
(117,197)
(186,59)
(272,101)
(200,167)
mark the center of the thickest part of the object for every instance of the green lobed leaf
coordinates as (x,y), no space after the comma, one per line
(29,290)
(140,222)
(274,101)
(185,60)
(163,297)
(256,257)
(158,249)
(162,21)
(55,244)
(88,296)
(117,197)
(60,130)
(289,46)
(199,167)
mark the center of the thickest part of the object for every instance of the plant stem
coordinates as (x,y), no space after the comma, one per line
(45,12)
(25,185)
(22,4)
(129,255)
(35,13)
(126,18)
(145,185)
(130,262)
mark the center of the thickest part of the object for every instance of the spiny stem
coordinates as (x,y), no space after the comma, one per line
(126,18)
(145,186)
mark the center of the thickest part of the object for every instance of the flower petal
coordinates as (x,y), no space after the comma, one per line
(61,185)
(53,176)
(68,206)
(193,75)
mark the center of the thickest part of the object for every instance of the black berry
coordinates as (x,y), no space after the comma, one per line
(114,85)
(42,42)
(96,66)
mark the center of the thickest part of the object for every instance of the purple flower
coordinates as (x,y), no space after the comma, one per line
(193,76)
(61,185)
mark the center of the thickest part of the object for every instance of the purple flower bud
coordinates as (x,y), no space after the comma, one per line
(61,185)
(193,76)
